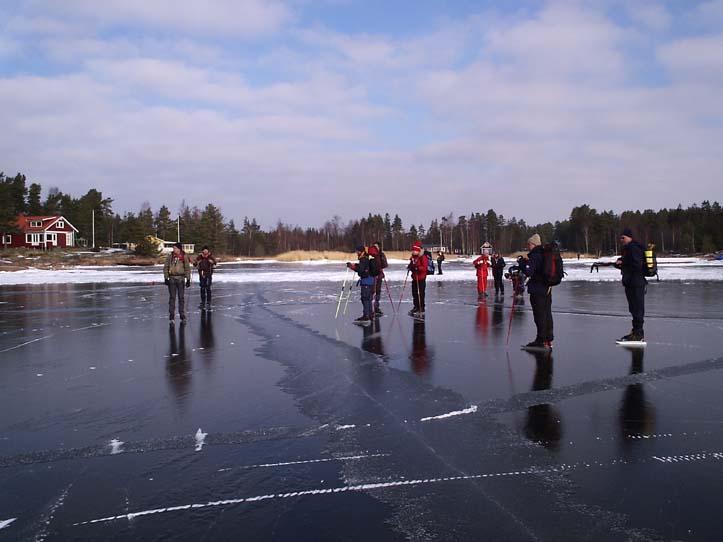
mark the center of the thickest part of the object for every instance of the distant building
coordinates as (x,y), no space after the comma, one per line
(43,232)
(166,247)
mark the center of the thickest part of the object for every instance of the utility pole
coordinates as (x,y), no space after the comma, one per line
(178,228)
(93,227)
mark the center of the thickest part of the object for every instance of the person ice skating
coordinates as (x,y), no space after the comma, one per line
(176,271)
(632,267)
(482,265)
(205,262)
(498,269)
(440,260)
(366,273)
(377,253)
(514,273)
(418,265)
(540,294)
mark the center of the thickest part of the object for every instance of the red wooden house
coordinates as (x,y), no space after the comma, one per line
(41,232)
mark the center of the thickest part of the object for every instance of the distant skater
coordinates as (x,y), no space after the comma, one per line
(176,270)
(482,265)
(632,267)
(205,262)
(365,269)
(440,260)
(418,266)
(540,294)
(376,252)
(498,269)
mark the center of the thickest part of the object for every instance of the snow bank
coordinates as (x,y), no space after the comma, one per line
(677,269)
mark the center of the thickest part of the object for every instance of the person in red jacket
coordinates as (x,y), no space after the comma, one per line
(418,264)
(482,264)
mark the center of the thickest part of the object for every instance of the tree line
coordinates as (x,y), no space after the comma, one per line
(695,229)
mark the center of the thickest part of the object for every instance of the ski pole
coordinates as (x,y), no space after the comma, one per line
(512,313)
(394,310)
(341,294)
(399,305)
(348,297)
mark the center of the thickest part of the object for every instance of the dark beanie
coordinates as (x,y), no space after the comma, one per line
(178,245)
(627,232)
(360,248)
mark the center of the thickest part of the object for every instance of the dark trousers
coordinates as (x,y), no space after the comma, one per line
(205,283)
(377,291)
(636,305)
(366,299)
(499,285)
(542,312)
(418,289)
(439,267)
(177,289)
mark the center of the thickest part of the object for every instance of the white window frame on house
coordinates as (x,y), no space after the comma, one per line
(52,237)
(32,238)
(60,224)
(36,223)
(8,239)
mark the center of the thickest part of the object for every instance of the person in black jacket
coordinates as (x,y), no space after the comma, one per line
(440,260)
(366,284)
(540,294)
(498,269)
(632,267)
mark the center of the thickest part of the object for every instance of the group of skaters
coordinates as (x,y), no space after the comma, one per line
(539,271)
(177,276)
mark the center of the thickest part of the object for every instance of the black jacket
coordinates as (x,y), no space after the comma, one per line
(498,266)
(534,268)
(633,265)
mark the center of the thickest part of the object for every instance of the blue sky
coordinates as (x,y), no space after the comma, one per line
(301,110)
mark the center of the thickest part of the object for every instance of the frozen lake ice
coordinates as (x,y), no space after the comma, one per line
(267,419)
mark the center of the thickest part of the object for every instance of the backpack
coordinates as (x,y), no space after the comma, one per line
(552,264)
(650,267)
(373,267)
(383,260)
(430,262)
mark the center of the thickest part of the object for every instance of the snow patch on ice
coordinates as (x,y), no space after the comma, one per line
(116,446)
(470,410)
(200,439)
(6,522)
(342,427)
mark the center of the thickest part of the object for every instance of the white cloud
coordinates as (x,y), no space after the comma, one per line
(215,17)
(695,59)
(651,15)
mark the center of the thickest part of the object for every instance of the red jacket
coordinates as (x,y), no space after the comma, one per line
(482,267)
(418,266)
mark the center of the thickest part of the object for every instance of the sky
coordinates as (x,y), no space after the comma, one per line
(300,110)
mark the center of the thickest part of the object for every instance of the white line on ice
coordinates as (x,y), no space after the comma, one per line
(26,343)
(341,427)
(6,522)
(470,410)
(91,326)
(307,461)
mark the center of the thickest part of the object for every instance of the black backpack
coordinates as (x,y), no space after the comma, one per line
(552,264)
(430,262)
(373,267)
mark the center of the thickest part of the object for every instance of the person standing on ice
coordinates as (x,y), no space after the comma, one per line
(176,271)
(205,262)
(498,269)
(440,261)
(482,265)
(632,266)
(418,267)
(540,293)
(375,251)
(367,272)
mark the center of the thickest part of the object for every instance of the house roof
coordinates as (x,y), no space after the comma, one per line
(24,222)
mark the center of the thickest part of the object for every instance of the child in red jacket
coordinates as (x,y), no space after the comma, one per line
(418,264)
(482,265)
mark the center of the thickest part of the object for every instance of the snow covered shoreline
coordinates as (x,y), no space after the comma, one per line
(671,269)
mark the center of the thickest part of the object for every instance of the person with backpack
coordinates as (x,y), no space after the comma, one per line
(366,269)
(632,265)
(205,262)
(177,268)
(419,269)
(376,252)
(539,286)
(482,265)
(440,260)
(498,269)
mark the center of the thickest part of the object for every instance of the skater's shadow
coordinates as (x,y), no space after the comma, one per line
(498,318)
(637,415)
(178,370)
(421,355)
(482,321)
(372,340)
(543,424)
